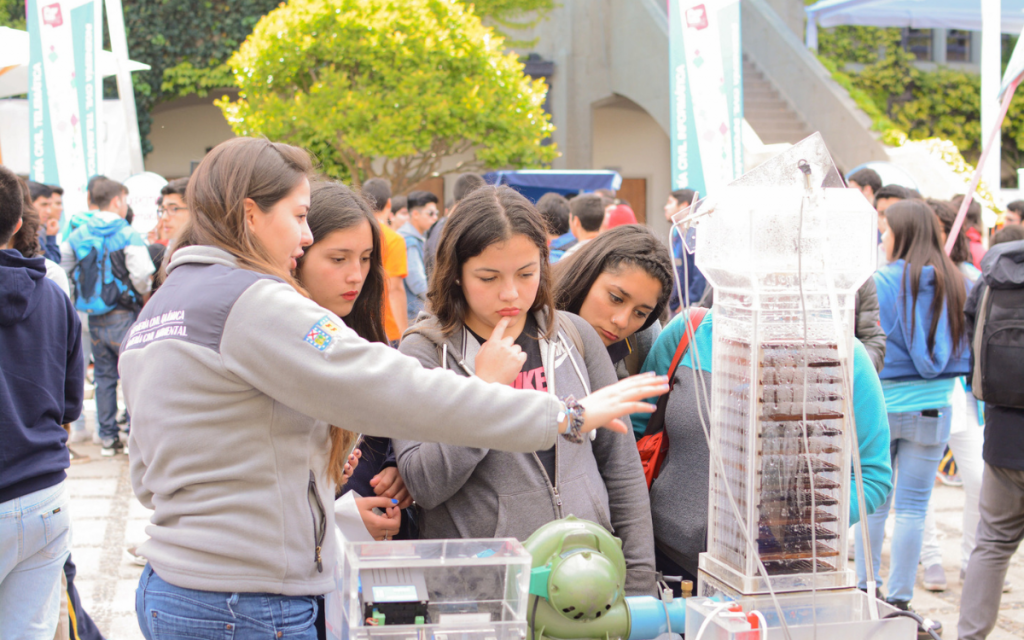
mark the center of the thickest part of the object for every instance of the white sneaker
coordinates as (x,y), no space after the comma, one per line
(78,437)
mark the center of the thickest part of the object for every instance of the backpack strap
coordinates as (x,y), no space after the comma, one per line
(570,329)
(656,424)
(977,346)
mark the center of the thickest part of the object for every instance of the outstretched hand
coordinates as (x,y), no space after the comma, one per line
(500,359)
(604,407)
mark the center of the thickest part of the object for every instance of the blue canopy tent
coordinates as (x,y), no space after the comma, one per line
(534,183)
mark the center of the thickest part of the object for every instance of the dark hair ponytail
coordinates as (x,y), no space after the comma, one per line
(917,241)
(947,215)
(632,245)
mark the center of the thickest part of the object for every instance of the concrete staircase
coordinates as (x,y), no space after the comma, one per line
(767,111)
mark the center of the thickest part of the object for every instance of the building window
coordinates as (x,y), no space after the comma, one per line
(919,43)
(958,45)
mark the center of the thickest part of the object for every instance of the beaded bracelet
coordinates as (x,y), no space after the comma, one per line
(574,414)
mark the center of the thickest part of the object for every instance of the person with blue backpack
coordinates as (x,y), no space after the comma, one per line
(111,269)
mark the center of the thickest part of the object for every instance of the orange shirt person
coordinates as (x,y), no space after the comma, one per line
(377,192)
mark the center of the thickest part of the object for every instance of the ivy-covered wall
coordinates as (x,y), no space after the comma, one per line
(903,99)
(186,44)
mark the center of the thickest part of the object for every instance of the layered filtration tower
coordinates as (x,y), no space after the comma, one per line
(786,261)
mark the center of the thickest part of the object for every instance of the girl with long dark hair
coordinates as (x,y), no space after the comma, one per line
(921,295)
(233,377)
(343,272)
(620,283)
(491,293)
(966,436)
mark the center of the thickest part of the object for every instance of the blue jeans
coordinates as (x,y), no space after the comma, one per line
(167,612)
(107,332)
(916,445)
(35,532)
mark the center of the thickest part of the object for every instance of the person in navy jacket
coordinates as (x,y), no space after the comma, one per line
(41,389)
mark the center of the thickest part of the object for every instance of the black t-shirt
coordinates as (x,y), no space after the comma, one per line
(532,376)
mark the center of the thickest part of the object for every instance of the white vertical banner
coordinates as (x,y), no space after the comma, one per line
(62,95)
(125,89)
(991,68)
(706,67)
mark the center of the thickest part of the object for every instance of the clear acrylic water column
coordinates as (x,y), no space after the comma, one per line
(786,255)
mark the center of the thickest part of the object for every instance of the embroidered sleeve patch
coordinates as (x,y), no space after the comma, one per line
(321,335)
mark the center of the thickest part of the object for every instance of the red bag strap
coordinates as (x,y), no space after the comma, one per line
(696,317)
(657,421)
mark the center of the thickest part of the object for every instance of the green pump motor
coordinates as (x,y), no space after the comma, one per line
(577,588)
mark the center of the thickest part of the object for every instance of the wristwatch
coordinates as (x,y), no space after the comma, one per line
(572,411)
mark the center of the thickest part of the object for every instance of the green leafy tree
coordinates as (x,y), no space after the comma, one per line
(187,44)
(376,88)
(12,14)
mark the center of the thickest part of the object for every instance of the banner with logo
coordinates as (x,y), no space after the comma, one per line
(706,82)
(64,94)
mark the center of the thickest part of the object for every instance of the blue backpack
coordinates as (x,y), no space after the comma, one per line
(101,275)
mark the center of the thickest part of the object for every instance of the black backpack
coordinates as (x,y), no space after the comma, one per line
(999,348)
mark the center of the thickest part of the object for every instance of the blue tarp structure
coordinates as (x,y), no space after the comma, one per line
(534,183)
(918,14)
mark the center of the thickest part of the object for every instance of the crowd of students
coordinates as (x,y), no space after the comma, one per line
(331,356)
(931,348)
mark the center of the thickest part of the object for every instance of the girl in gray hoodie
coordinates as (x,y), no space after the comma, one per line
(233,378)
(491,296)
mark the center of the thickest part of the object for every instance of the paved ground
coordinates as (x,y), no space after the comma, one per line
(107,518)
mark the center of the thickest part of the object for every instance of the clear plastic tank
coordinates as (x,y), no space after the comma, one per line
(786,262)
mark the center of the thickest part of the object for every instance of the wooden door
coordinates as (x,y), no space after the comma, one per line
(435,186)
(634,190)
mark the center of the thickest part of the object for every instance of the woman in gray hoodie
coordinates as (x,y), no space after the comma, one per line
(233,378)
(492,298)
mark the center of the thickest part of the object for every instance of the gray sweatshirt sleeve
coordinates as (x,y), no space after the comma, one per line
(68,259)
(623,474)
(304,357)
(645,339)
(432,472)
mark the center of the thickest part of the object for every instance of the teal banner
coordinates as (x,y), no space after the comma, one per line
(706,83)
(64,94)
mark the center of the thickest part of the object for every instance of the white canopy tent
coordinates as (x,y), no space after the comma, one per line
(991,17)
(14,53)
(917,14)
